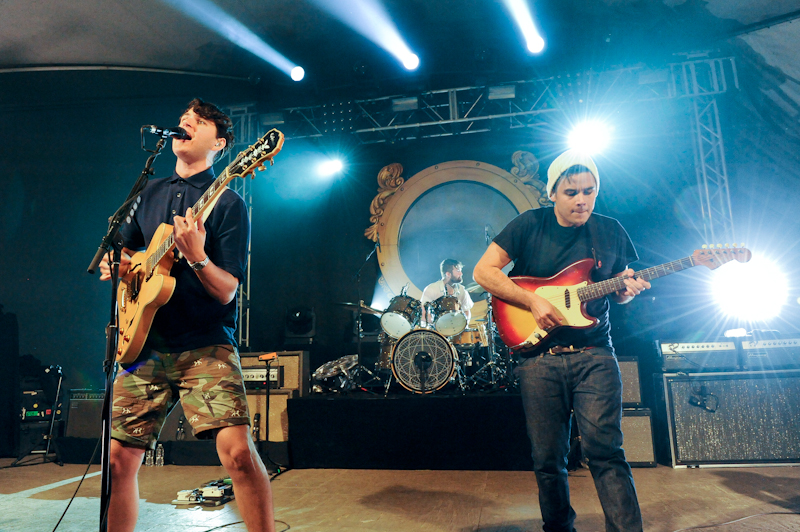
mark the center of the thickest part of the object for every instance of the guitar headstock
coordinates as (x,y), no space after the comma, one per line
(253,158)
(714,256)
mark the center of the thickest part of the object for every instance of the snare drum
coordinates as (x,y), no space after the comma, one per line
(448,318)
(401,316)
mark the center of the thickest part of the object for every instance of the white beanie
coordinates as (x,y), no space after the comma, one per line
(564,162)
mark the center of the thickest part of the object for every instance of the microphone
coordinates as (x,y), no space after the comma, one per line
(168,132)
(486,233)
(378,241)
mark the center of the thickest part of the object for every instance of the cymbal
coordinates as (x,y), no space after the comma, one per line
(475,288)
(364,308)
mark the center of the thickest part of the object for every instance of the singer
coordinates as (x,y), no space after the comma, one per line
(190,353)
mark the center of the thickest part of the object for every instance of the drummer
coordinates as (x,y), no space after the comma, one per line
(448,285)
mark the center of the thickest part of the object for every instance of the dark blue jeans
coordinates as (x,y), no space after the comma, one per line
(589,384)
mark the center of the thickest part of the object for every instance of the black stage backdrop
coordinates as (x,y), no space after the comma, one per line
(71,153)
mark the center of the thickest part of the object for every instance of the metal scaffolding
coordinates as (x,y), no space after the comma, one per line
(702,81)
(529,104)
(247,132)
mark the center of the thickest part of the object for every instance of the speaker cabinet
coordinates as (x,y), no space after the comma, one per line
(278,428)
(631,388)
(84,417)
(637,432)
(295,364)
(733,418)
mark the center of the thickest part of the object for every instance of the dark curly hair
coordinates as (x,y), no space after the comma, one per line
(209,111)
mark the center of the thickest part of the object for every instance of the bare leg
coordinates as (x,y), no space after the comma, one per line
(123,507)
(250,479)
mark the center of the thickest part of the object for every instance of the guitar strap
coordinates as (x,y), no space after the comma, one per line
(591,226)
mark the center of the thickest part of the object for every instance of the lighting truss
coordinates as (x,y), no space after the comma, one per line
(247,130)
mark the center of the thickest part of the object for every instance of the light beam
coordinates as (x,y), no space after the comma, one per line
(214,18)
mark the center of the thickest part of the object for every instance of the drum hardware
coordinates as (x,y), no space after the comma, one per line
(336,375)
(362,307)
(475,288)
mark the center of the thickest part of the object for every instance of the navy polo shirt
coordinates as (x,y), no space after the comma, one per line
(192,318)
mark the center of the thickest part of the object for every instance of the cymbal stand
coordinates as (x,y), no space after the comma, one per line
(497,367)
(357,373)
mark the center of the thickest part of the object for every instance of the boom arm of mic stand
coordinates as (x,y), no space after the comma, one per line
(112,235)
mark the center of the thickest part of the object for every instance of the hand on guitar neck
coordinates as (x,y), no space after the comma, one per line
(633,287)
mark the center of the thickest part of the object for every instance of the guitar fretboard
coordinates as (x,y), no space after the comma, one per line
(603,288)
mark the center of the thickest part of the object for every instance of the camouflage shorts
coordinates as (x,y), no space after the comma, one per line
(208,381)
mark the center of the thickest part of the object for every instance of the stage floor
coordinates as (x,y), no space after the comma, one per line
(32,498)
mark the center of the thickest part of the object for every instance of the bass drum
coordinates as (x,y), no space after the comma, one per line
(423,361)
(401,316)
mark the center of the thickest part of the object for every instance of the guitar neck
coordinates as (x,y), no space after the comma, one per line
(205,203)
(603,288)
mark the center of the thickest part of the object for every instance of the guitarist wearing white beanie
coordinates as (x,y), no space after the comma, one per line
(569,369)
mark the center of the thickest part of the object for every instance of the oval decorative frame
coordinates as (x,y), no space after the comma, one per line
(522,192)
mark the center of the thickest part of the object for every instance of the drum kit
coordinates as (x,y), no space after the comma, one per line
(427,348)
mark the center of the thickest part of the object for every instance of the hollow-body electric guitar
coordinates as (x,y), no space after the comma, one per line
(148,286)
(570,289)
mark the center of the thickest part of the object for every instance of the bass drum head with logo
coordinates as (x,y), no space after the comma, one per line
(423,361)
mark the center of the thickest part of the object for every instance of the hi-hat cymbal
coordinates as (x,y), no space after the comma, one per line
(475,288)
(364,308)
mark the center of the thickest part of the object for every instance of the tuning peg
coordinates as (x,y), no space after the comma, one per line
(726,245)
(705,246)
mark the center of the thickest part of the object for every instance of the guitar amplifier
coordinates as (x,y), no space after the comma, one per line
(289,371)
(697,356)
(764,355)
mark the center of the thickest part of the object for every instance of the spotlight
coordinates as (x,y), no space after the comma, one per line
(298,73)
(329,167)
(370,19)
(590,137)
(411,62)
(736,333)
(217,20)
(535,44)
(752,291)
(524,19)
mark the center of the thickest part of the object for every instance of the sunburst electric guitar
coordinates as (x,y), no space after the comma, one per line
(148,286)
(571,288)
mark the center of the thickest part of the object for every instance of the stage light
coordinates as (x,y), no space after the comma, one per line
(370,19)
(590,137)
(524,19)
(752,291)
(411,62)
(535,44)
(329,167)
(214,18)
(736,333)
(298,73)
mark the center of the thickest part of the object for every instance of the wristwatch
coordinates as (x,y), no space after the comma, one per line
(197,266)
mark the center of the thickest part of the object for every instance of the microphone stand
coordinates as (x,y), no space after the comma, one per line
(359,330)
(112,244)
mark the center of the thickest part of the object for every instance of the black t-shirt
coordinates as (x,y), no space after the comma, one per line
(192,318)
(540,247)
